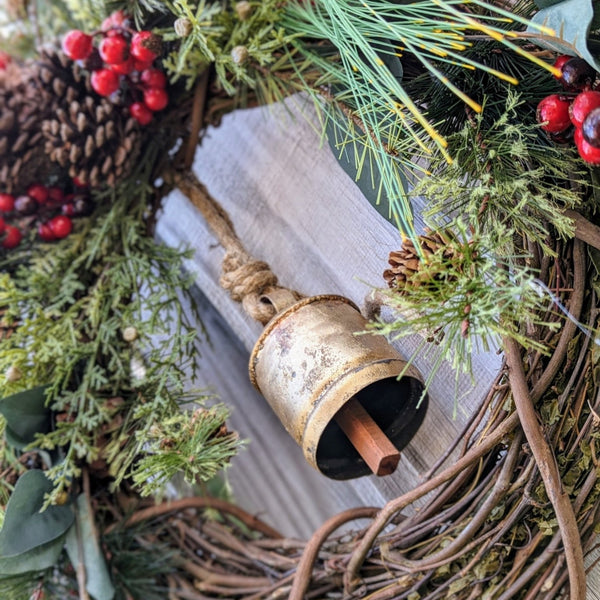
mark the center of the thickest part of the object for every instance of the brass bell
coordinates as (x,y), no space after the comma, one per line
(335,388)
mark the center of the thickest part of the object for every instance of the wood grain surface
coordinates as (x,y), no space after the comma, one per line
(294,207)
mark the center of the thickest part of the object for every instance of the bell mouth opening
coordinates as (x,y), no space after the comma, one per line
(396,405)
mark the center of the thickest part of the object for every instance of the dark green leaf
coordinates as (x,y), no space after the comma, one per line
(81,539)
(25,527)
(571,20)
(37,559)
(26,413)
(13,439)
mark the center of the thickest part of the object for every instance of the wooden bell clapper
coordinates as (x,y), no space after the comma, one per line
(310,364)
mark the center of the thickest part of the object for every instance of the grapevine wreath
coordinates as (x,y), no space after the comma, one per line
(490,111)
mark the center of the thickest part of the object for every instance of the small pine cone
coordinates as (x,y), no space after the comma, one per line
(22,157)
(91,137)
(406,264)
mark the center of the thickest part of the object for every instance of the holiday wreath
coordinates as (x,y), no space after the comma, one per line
(102,106)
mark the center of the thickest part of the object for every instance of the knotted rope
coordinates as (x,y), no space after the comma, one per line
(248,281)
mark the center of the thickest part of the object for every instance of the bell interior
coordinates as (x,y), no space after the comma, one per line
(394,405)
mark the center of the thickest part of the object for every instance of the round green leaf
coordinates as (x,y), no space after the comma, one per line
(36,559)
(25,527)
(26,413)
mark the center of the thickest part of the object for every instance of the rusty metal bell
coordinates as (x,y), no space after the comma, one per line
(313,358)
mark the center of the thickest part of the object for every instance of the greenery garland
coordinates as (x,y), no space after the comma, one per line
(94,343)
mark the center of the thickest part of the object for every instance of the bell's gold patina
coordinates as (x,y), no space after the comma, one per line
(312,358)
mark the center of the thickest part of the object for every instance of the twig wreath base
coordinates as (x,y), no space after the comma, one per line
(502,520)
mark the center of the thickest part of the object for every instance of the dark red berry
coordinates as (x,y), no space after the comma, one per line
(80,183)
(38,192)
(114,50)
(141,113)
(582,105)
(105,82)
(77,45)
(577,74)
(146,46)
(553,113)
(2,225)
(7,203)
(55,195)
(155,98)
(82,206)
(560,61)
(12,237)
(45,232)
(61,226)
(591,128)
(125,67)
(68,209)
(26,205)
(93,62)
(153,78)
(563,137)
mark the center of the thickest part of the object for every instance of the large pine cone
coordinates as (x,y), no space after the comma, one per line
(22,157)
(93,138)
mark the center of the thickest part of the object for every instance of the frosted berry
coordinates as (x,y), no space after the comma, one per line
(105,82)
(155,98)
(114,50)
(77,45)
(141,113)
(553,113)
(591,128)
(582,105)
(45,232)
(7,203)
(26,205)
(577,74)
(145,45)
(38,192)
(61,226)
(153,78)
(12,237)
(124,68)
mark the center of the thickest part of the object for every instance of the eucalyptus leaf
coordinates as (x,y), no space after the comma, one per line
(26,413)
(82,541)
(571,20)
(25,527)
(14,440)
(37,559)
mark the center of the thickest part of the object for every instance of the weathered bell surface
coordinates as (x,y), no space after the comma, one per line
(312,359)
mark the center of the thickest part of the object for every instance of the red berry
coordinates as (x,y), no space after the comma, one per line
(79,183)
(55,195)
(142,65)
(582,105)
(114,50)
(153,78)
(45,232)
(2,224)
(12,237)
(553,113)
(4,60)
(61,226)
(155,98)
(141,113)
(145,45)
(68,209)
(116,19)
(76,44)
(125,67)
(105,82)
(7,203)
(578,136)
(589,153)
(38,192)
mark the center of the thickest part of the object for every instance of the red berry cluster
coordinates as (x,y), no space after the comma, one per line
(576,110)
(49,209)
(123,60)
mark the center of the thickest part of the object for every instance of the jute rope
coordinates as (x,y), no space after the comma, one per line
(248,281)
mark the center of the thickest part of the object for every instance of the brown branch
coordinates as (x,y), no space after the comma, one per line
(198,112)
(311,551)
